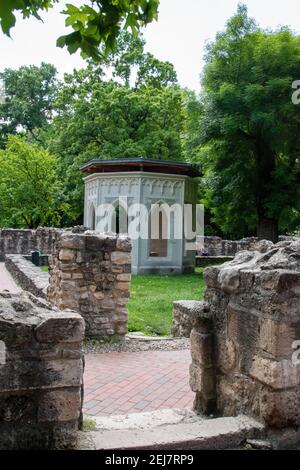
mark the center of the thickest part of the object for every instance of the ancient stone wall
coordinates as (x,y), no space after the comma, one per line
(216,246)
(41,372)
(22,242)
(28,276)
(90,273)
(243,356)
(183,316)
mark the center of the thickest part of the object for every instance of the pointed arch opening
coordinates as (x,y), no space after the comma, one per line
(158,231)
(119,223)
(92,217)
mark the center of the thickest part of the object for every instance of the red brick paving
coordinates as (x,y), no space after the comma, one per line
(132,382)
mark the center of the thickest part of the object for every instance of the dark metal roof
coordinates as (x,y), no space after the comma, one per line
(141,164)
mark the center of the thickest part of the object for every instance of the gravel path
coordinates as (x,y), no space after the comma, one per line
(135,345)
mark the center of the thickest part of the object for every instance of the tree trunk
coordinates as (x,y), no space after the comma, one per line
(267,229)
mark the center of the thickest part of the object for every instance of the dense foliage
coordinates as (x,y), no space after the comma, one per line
(89,115)
(29,98)
(243,130)
(96,24)
(30,192)
(249,129)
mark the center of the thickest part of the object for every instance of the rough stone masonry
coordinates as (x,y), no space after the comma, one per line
(41,371)
(90,273)
(243,340)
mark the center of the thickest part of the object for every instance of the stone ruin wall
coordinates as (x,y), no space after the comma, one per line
(243,356)
(23,242)
(216,246)
(41,372)
(90,273)
(184,312)
(28,276)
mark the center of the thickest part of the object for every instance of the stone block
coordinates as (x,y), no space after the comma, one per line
(247,279)
(121,329)
(125,277)
(185,316)
(99,295)
(123,244)
(202,380)
(276,374)
(34,375)
(67,255)
(77,276)
(280,408)
(59,405)
(211,277)
(227,357)
(243,331)
(120,258)
(18,407)
(237,394)
(123,286)
(65,276)
(72,241)
(276,338)
(229,280)
(64,327)
(202,348)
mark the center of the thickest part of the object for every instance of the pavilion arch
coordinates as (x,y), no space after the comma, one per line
(158,246)
(119,217)
(92,217)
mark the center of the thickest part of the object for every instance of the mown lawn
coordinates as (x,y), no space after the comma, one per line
(151,300)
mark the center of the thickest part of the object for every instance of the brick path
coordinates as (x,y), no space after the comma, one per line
(132,382)
(6,281)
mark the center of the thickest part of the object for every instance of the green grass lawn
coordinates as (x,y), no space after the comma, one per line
(151,300)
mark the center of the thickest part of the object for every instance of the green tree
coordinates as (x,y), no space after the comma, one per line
(249,129)
(28,105)
(193,110)
(129,59)
(30,193)
(98,119)
(95,23)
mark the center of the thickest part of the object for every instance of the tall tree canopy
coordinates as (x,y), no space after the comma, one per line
(96,24)
(89,115)
(135,67)
(29,97)
(249,128)
(96,118)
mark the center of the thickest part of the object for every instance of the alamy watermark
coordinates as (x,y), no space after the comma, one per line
(296,354)
(296,94)
(159,221)
(2,92)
